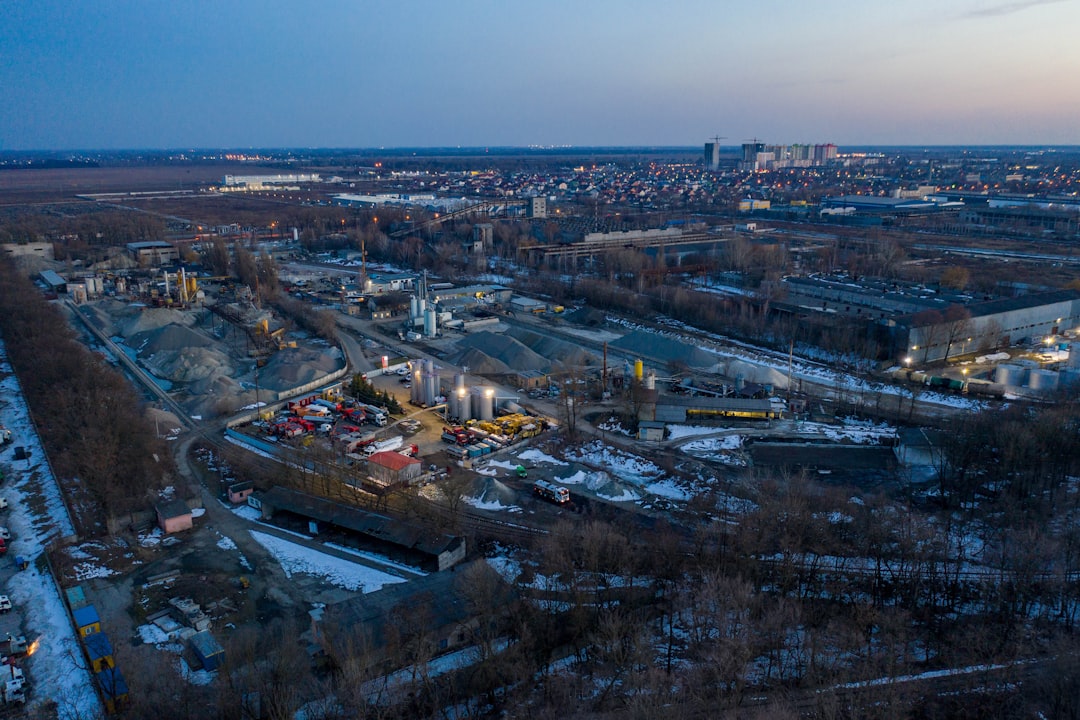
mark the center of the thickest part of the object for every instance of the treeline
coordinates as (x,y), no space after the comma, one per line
(86,236)
(107,457)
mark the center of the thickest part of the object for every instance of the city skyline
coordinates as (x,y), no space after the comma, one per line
(340,74)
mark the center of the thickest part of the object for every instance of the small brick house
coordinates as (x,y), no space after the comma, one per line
(238,492)
(173,516)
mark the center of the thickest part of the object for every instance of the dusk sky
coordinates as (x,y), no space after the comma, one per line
(401,73)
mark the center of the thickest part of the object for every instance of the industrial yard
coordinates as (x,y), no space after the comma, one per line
(470,478)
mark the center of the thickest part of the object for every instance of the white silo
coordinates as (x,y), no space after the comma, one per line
(1013,375)
(430,382)
(483,403)
(1039,379)
(1074,356)
(430,324)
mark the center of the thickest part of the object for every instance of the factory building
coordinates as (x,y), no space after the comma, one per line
(153,253)
(932,337)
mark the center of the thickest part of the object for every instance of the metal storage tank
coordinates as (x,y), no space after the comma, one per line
(1069,377)
(639,370)
(460,405)
(429,323)
(650,381)
(511,407)
(484,403)
(431,383)
(1074,356)
(1010,375)
(414,307)
(1042,380)
(416,392)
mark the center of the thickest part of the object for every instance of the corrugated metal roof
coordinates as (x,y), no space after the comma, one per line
(392,460)
(670,414)
(97,646)
(205,644)
(85,616)
(351,518)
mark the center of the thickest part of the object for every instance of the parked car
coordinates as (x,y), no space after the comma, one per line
(5,604)
(5,534)
(3,503)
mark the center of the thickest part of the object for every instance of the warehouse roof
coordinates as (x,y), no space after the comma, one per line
(367,523)
(393,460)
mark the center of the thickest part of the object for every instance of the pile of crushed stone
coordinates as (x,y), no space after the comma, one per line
(298,366)
(503,350)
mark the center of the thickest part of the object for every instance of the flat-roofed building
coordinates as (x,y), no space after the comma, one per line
(153,253)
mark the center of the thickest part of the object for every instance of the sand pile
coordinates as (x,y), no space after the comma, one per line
(168,337)
(189,364)
(165,422)
(512,353)
(556,350)
(104,313)
(298,366)
(604,485)
(490,491)
(481,364)
(761,374)
(141,319)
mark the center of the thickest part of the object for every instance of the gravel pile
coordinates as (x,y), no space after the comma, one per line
(298,366)
(512,353)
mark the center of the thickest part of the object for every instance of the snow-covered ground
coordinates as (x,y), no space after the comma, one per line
(55,671)
(345,574)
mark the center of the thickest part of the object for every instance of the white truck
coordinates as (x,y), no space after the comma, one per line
(14,686)
(390,443)
(376,415)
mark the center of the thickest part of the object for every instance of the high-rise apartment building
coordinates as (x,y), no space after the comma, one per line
(712,155)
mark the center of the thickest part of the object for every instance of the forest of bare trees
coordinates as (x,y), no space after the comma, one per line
(90,419)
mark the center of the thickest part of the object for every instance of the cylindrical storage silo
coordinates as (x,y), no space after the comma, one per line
(1074,354)
(464,404)
(429,323)
(1040,379)
(639,370)
(484,403)
(650,381)
(1013,375)
(459,381)
(414,307)
(416,392)
(511,407)
(421,306)
(431,388)
(1069,378)
(740,383)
